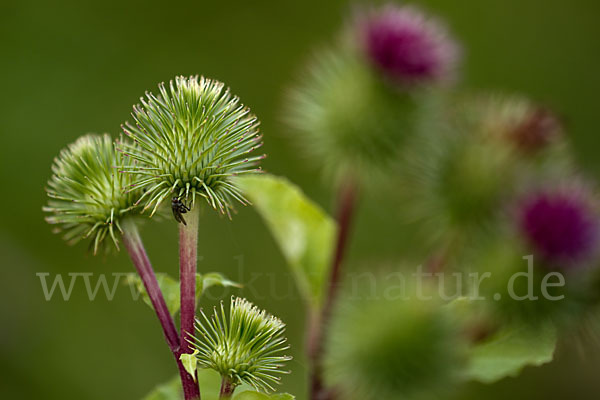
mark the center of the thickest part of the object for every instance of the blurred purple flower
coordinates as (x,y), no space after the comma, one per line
(561,226)
(408,47)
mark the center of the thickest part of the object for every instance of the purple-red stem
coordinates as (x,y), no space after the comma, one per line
(227,389)
(188,257)
(137,252)
(135,248)
(346,202)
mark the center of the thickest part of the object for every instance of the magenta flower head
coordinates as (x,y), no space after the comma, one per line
(407,46)
(561,226)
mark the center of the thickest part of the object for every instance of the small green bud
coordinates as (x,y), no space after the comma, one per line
(347,118)
(88,196)
(191,140)
(244,347)
(387,349)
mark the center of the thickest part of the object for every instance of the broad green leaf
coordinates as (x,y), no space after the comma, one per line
(508,351)
(190,363)
(250,395)
(167,391)
(170,287)
(304,232)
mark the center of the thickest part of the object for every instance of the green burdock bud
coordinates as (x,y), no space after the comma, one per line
(347,119)
(461,172)
(244,347)
(87,193)
(455,186)
(387,349)
(190,140)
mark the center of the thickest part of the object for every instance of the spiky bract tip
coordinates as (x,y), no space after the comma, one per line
(189,141)
(88,195)
(244,347)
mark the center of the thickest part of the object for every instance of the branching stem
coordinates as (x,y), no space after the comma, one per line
(139,257)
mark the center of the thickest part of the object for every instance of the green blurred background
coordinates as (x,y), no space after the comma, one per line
(71,67)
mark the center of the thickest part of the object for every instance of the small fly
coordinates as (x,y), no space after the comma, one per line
(179,209)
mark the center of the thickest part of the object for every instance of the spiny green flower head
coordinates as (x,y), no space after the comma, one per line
(190,140)
(87,193)
(391,348)
(347,119)
(455,185)
(244,347)
(461,171)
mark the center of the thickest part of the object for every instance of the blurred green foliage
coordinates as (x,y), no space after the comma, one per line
(71,67)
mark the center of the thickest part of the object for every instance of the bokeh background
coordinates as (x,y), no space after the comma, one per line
(71,67)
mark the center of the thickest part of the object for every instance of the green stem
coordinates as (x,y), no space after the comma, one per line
(188,258)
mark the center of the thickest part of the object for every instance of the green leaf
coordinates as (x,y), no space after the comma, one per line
(209,382)
(170,287)
(304,232)
(250,395)
(190,363)
(210,279)
(167,391)
(508,351)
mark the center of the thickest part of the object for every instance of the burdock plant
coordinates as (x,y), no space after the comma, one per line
(363,107)
(357,107)
(244,347)
(188,143)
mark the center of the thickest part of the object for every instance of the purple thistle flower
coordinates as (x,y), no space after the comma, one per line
(407,47)
(561,226)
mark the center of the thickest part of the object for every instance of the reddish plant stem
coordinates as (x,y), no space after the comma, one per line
(188,257)
(346,203)
(227,389)
(139,257)
(135,248)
